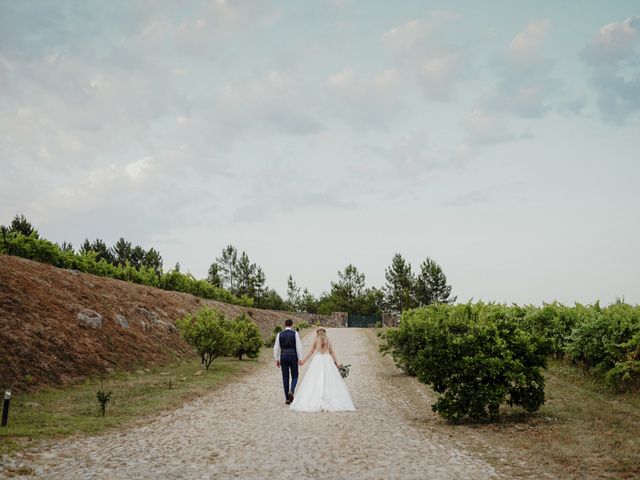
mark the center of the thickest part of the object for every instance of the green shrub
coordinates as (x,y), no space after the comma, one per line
(210,333)
(249,339)
(476,356)
(607,341)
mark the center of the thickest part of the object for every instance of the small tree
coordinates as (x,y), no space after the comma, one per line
(399,289)
(431,285)
(122,252)
(210,334)
(248,335)
(213,275)
(20,224)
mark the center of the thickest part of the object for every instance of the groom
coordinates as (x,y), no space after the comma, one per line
(287,353)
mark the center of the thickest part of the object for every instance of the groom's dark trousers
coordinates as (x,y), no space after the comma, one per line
(288,360)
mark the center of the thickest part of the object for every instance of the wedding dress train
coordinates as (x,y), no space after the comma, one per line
(322,388)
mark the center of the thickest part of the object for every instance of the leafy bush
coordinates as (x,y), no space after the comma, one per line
(553,321)
(249,339)
(607,341)
(477,356)
(210,333)
(41,250)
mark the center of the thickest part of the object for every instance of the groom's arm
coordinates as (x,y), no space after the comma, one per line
(276,349)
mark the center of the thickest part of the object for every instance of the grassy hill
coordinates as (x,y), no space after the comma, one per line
(59,326)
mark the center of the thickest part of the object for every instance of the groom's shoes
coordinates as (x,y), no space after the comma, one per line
(289,398)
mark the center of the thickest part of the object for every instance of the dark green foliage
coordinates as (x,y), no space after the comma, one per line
(308,302)
(213,275)
(404,290)
(249,339)
(240,276)
(349,294)
(431,285)
(89,261)
(100,249)
(66,247)
(476,356)
(103,399)
(271,300)
(153,260)
(400,287)
(122,252)
(227,266)
(293,295)
(21,225)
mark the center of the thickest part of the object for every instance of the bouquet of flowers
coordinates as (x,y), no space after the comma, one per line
(344,370)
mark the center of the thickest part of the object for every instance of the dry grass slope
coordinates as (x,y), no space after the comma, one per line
(44,343)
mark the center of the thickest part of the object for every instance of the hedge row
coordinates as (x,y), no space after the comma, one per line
(479,356)
(44,251)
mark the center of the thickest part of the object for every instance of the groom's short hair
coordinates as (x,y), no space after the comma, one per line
(288,322)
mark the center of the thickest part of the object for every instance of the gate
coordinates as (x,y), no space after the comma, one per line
(363,321)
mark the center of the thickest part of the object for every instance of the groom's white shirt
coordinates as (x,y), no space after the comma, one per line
(276,347)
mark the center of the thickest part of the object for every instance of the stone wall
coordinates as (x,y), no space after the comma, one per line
(390,319)
(336,319)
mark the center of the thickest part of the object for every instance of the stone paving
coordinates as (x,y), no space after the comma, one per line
(245,431)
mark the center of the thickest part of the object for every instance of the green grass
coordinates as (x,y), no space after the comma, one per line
(58,412)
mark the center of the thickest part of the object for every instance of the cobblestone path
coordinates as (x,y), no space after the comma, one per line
(245,431)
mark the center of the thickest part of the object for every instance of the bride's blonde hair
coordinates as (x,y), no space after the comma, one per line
(321,335)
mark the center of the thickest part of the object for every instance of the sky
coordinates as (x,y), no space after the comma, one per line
(499,138)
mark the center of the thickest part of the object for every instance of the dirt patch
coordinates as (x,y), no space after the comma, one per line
(59,326)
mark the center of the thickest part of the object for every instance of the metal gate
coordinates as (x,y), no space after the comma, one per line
(363,321)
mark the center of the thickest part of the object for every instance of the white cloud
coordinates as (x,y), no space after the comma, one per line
(528,42)
(364,102)
(420,50)
(614,41)
(525,86)
(136,169)
(613,58)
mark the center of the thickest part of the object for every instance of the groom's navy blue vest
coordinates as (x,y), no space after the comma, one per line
(288,343)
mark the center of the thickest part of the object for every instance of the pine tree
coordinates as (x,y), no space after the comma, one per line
(153,259)
(20,224)
(227,267)
(293,295)
(66,247)
(399,290)
(431,284)
(85,247)
(213,275)
(122,251)
(245,272)
(308,302)
(137,256)
(258,284)
(102,251)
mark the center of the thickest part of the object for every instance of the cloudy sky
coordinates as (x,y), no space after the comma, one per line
(500,138)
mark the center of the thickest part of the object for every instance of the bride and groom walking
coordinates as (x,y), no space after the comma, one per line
(322,388)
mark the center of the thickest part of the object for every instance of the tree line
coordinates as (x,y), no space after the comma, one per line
(233,272)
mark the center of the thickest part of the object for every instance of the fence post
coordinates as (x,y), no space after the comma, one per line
(5,407)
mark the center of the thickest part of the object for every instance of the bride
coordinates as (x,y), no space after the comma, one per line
(322,387)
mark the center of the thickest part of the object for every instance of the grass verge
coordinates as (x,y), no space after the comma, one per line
(583,431)
(58,412)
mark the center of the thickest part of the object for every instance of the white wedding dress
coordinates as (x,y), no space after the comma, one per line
(322,388)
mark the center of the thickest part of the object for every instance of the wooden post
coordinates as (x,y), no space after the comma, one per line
(5,408)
